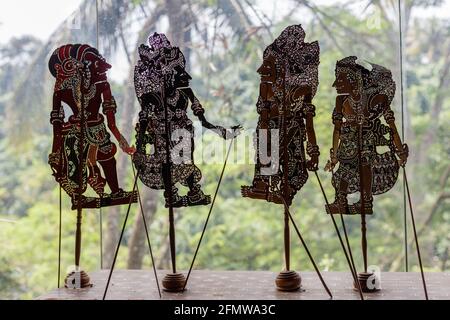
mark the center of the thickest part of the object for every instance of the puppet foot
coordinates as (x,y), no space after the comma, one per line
(118,198)
(198,198)
(177,202)
(337,207)
(86,202)
(254,193)
(118,194)
(277,198)
(368,207)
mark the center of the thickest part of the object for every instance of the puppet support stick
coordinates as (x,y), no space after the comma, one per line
(209,214)
(172,238)
(80,179)
(348,255)
(415,234)
(59,237)
(100,222)
(286,207)
(147,234)
(363,208)
(173,281)
(121,236)
(168,186)
(287,240)
(81,279)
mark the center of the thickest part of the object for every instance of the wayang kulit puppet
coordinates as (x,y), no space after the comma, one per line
(289,80)
(369,153)
(81,143)
(165,134)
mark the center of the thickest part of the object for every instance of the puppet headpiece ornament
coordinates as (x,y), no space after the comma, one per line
(300,59)
(68,64)
(380,81)
(290,37)
(303,64)
(157,61)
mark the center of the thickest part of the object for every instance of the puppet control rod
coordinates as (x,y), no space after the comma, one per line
(415,233)
(348,254)
(209,214)
(286,207)
(135,187)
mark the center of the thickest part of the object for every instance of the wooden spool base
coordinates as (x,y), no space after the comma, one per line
(173,282)
(288,281)
(369,282)
(77,280)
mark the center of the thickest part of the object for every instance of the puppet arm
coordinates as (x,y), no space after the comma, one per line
(198,111)
(337,122)
(400,149)
(109,109)
(312,149)
(57,120)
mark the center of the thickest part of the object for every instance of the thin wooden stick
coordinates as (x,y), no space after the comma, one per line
(415,234)
(80,178)
(101,235)
(287,234)
(209,214)
(286,207)
(147,234)
(59,240)
(121,236)
(350,261)
(402,103)
(363,207)
(168,183)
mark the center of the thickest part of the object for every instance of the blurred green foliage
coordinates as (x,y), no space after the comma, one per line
(243,234)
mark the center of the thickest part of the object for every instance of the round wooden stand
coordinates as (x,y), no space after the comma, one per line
(369,282)
(77,280)
(173,282)
(288,281)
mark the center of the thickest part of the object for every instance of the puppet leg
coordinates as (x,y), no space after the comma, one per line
(195,194)
(340,204)
(366,171)
(95,179)
(109,168)
(177,200)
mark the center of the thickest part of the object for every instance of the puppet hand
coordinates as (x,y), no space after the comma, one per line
(403,155)
(313,164)
(331,164)
(235,131)
(123,143)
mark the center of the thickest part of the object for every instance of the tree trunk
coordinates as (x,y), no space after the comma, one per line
(111,235)
(123,166)
(138,241)
(180,22)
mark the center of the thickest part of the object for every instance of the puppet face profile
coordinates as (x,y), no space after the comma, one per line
(267,72)
(181,77)
(351,77)
(342,84)
(97,67)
